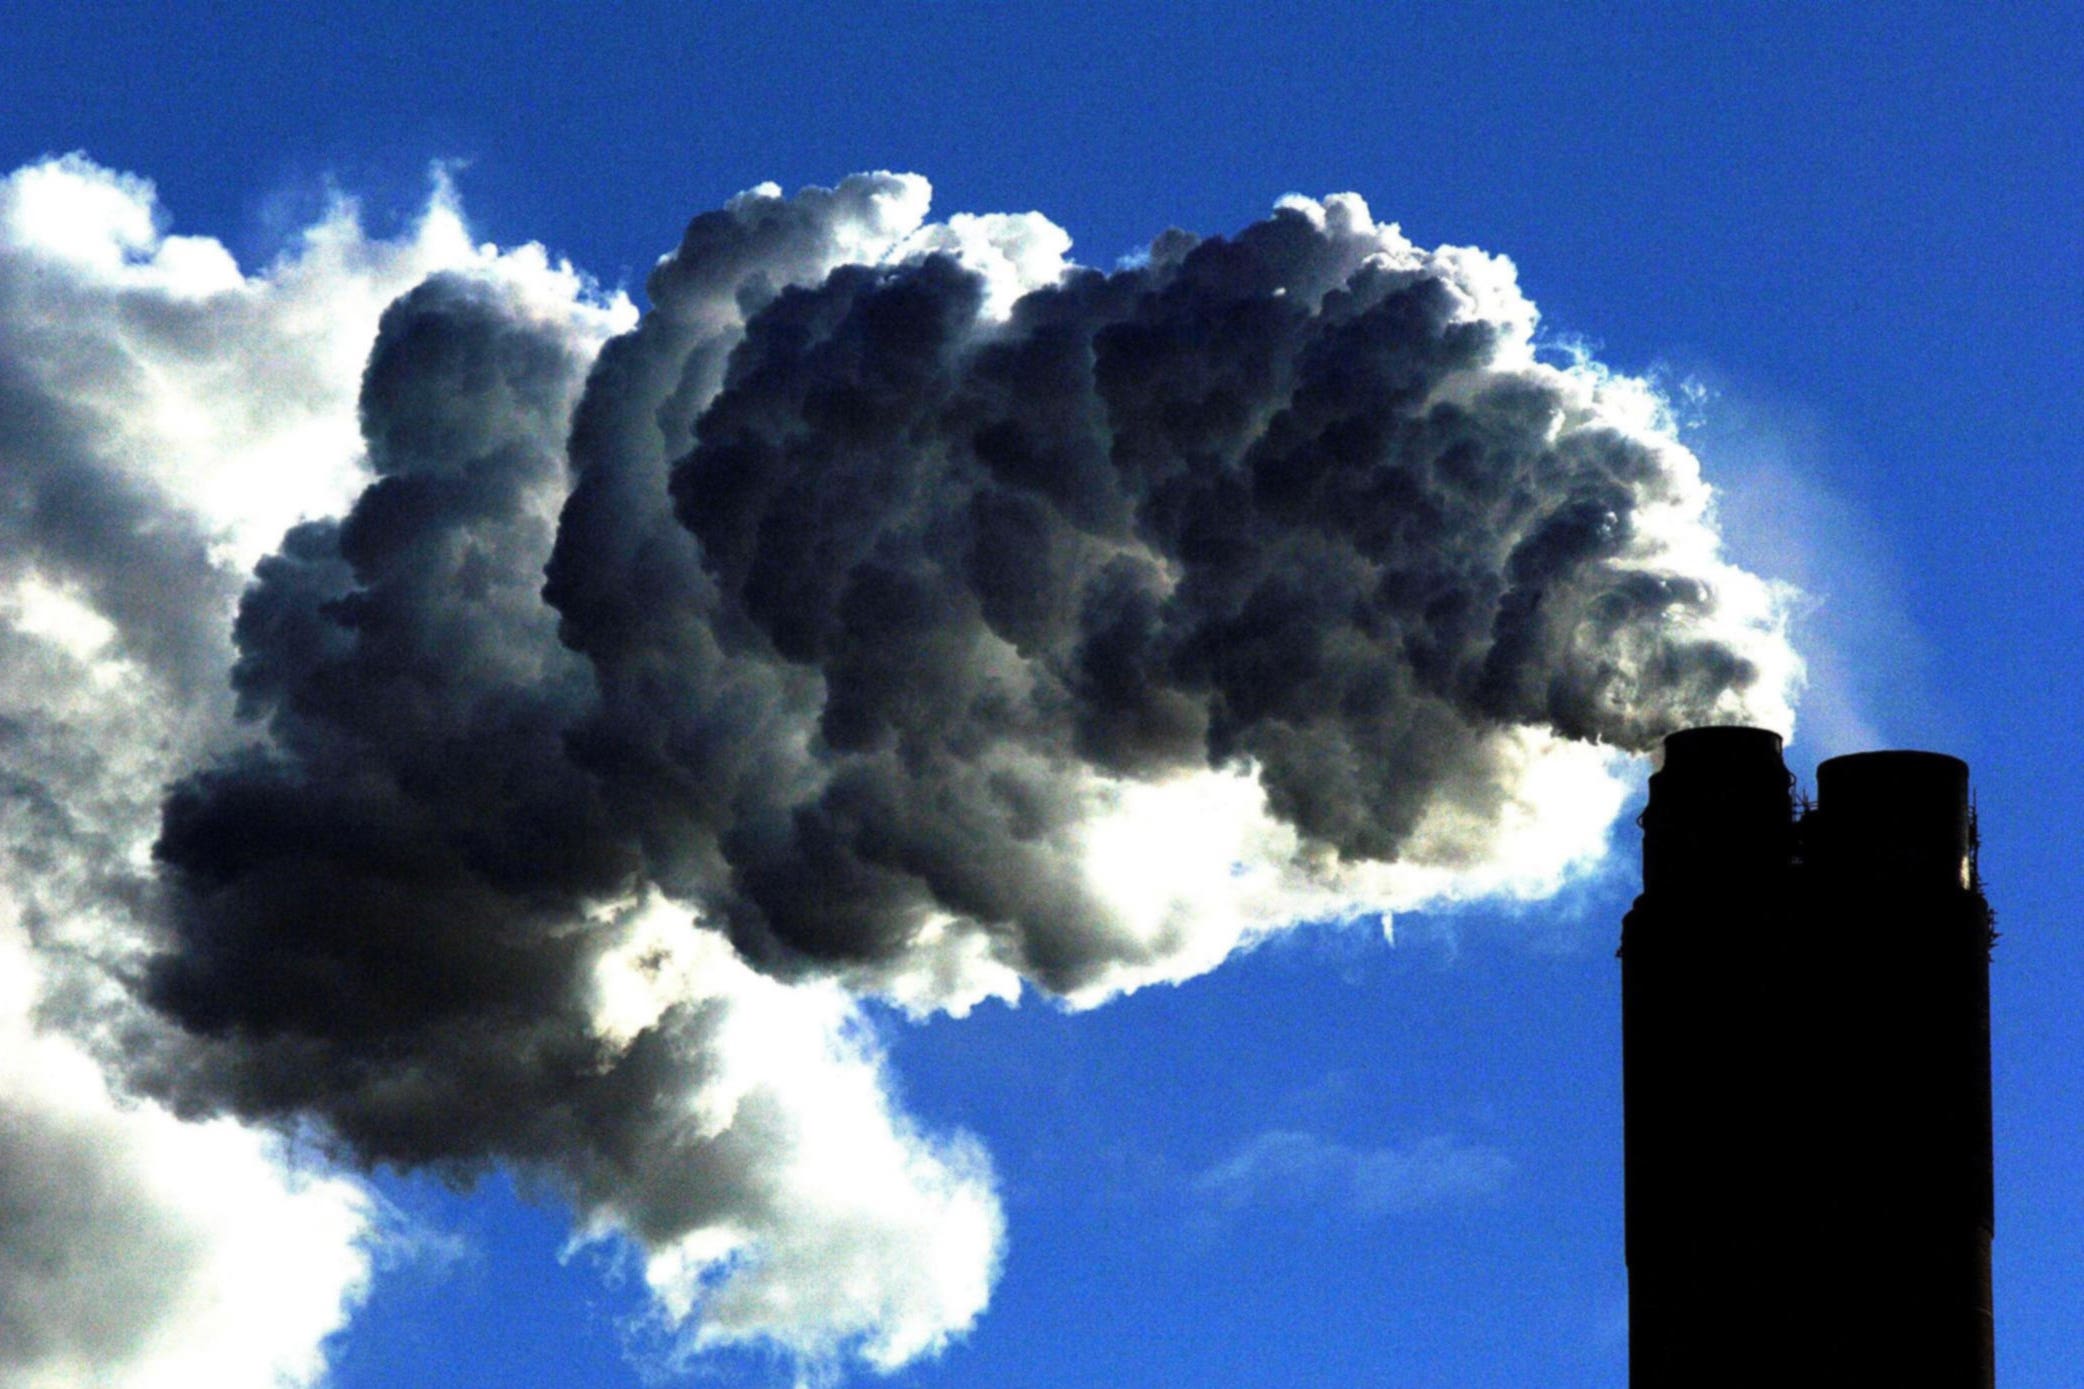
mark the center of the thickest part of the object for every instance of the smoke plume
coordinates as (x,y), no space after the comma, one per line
(527,740)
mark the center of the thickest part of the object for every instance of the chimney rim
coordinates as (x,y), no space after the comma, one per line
(1893,760)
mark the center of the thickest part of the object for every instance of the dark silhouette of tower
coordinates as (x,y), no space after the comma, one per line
(1805,1017)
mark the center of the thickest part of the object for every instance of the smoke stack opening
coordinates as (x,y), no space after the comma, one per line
(1903,816)
(1721,807)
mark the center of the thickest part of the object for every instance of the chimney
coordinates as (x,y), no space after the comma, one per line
(1805,1019)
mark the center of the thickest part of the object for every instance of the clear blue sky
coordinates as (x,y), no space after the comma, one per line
(1857,226)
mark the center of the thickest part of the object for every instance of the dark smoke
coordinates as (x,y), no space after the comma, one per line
(396,870)
(840,608)
(1202,514)
(1265,502)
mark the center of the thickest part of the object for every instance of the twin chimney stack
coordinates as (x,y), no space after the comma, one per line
(1806,1028)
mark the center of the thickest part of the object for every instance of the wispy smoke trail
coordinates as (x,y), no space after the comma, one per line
(894,608)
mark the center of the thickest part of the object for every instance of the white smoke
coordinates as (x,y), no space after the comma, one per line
(164,417)
(137,1249)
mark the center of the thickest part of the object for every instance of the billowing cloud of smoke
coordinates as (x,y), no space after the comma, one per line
(1296,506)
(894,608)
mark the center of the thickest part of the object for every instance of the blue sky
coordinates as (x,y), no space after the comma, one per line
(1845,237)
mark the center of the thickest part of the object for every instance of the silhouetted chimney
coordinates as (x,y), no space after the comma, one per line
(1805,1017)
